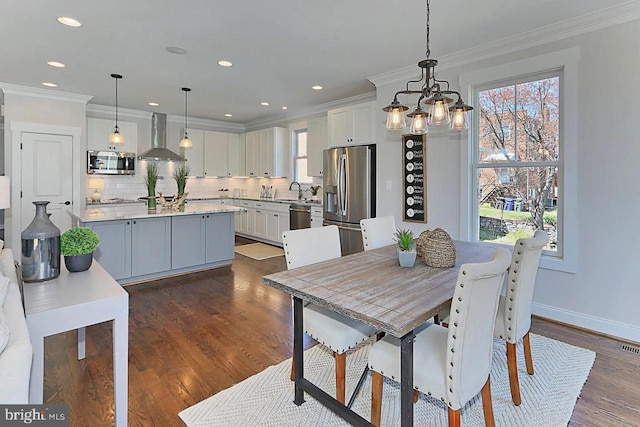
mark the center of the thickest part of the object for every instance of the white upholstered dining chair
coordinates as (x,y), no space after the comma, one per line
(451,364)
(338,333)
(377,232)
(514,310)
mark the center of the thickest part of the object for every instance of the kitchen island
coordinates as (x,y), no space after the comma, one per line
(137,246)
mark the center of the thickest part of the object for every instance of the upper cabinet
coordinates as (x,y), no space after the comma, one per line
(351,125)
(98,131)
(215,154)
(266,152)
(316,143)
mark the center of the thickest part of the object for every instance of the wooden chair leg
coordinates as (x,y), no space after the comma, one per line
(527,354)
(379,336)
(341,365)
(293,364)
(512,364)
(416,395)
(454,418)
(377,382)
(487,407)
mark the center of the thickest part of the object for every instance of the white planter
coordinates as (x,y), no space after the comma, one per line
(407,258)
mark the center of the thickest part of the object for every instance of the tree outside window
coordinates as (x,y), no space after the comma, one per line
(300,158)
(518,159)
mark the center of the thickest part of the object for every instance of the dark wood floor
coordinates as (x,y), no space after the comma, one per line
(193,336)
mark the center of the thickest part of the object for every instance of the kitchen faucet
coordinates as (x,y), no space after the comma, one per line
(299,189)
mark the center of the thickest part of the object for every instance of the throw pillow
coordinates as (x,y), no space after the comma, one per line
(4,288)
(4,332)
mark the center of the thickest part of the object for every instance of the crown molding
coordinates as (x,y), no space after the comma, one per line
(122,112)
(194,122)
(54,95)
(609,17)
(322,108)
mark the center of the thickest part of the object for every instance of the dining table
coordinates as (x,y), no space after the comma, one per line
(372,288)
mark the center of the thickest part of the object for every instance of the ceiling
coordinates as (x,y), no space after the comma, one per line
(279,48)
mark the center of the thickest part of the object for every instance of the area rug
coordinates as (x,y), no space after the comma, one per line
(266,399)
(259,251)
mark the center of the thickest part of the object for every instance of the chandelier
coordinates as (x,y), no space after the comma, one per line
(434,94)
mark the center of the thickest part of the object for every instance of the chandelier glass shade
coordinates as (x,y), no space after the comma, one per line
(185,142)
(435,94)
(116,137)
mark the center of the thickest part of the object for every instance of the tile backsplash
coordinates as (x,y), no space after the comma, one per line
(132,186)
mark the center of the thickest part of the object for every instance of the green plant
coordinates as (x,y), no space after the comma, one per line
(314,189)
(181,174)
(151,179)
(78,241)
(404,239)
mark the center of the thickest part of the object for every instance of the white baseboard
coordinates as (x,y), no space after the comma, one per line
(598,324)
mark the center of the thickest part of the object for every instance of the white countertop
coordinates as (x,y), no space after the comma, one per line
(94,213)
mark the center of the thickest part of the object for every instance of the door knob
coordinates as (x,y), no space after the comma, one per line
(65,203)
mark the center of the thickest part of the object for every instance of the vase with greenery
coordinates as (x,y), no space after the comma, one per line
(150,181)
(314,189)
(181,175)
(406,246)
(77,245)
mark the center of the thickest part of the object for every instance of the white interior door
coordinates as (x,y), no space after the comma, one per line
(47,165)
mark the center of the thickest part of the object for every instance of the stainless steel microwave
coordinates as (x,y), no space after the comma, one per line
(111,163)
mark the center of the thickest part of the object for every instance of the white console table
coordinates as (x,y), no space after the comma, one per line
(74,301)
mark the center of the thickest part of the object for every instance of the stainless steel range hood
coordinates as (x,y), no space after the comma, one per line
(159,150)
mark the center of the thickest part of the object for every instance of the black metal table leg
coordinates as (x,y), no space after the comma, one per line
(406,383)
(298,368)
(358,386)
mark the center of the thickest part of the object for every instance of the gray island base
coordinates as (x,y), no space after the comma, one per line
(137,246)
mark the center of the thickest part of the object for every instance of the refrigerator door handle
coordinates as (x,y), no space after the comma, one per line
(342,184)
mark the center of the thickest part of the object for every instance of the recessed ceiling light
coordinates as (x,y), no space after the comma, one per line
(225,63)
(153,104)
(317,87)
(284,108)
(49,84)
(228,115)
(69,22)
(265,103)
(56,64)
(177,50)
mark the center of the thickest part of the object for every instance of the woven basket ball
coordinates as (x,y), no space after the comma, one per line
(436,248)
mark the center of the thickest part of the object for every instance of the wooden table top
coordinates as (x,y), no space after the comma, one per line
(371,286)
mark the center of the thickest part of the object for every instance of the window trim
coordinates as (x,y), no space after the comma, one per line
(566,61)
(295,155)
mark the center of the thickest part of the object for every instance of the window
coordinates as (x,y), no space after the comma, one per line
(516,159)
(300,158)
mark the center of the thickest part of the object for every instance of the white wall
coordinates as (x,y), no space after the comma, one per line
(603,294)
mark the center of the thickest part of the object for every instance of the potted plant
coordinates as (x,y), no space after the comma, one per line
(150,181)
(181,174)
(314,190)
(406,247)
(77,245)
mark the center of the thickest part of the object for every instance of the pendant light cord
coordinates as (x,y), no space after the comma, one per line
(117,104)
(185,111)
(428,16)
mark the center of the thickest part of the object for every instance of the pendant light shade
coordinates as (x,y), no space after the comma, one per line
(434,93)
(185,142)
(116,137)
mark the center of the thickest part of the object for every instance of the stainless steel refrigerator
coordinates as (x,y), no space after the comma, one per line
(349,188)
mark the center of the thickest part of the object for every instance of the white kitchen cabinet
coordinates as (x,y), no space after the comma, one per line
(266,152)
(316,216)
(216,153)
(316,143)
(236,160)
(195,154)
(150,245)
(98,131)
(351,125)
(260,220)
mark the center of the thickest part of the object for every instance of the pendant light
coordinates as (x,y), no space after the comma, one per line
(434,96)
(116,137)
(185,142)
